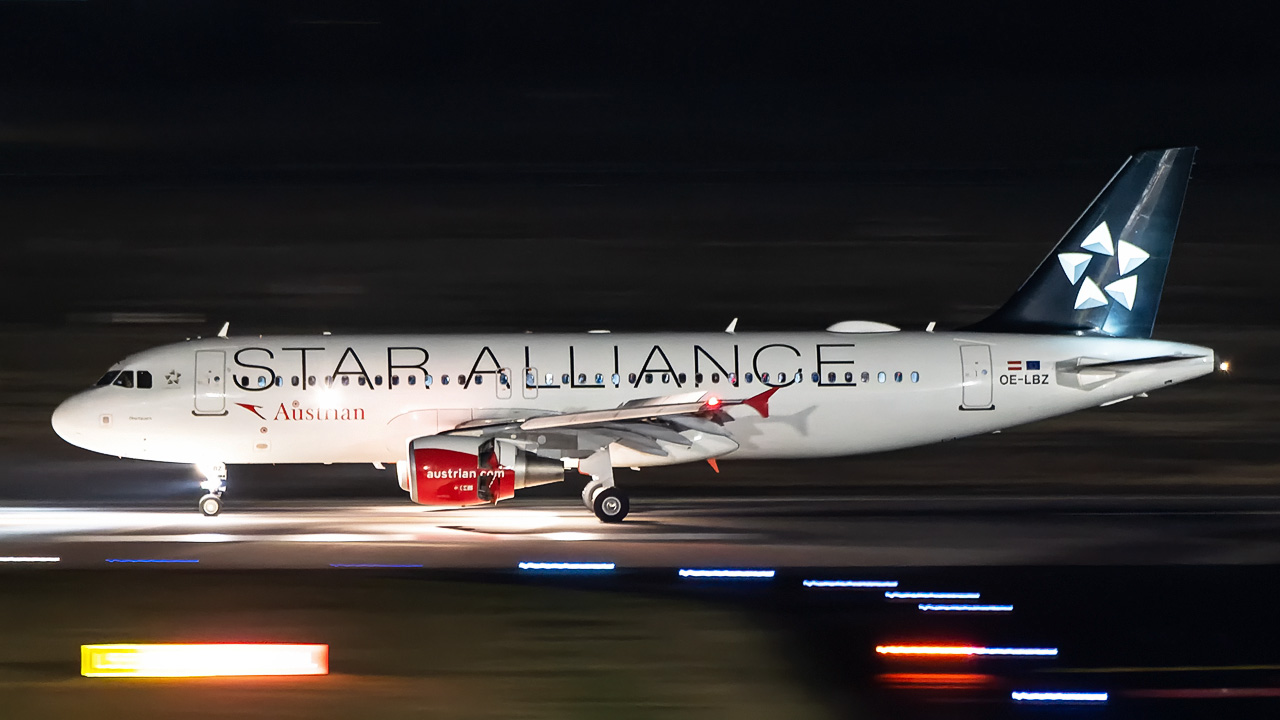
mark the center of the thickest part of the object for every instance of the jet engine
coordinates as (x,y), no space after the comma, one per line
(454,471)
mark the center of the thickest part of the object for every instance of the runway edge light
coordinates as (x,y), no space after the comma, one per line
(208,660)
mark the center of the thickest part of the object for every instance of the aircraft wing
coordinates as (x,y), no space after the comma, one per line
(653,426)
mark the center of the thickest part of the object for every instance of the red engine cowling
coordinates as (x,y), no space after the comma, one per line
(460,471)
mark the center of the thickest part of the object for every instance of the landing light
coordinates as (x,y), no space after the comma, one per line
(214,660)
(1224,366)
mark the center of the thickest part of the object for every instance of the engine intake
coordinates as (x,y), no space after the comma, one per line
(460,471)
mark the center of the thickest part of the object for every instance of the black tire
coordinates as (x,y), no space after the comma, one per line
(210,505)
(611,505)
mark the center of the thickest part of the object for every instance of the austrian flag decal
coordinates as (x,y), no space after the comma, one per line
(1017,365)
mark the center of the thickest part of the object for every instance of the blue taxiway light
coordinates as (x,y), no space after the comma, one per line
(1068,697)
(755,574)
(574,566)
(892,595)
(927,607)
(851,583)
(149,561)
(370,565)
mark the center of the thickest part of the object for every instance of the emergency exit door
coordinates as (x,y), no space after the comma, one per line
(976,363)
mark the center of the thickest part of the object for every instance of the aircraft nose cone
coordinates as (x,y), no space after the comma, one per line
(65,422)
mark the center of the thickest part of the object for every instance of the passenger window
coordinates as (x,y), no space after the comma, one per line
(866,377)
(294,381)
(648,378)
(346,380)
(599,379)
(108,378)
(377,379)
(814,377)
(582,378)
(697,378)
(764,377)
(395,380)
(280,381)
(426,380)
(328,381)
(262,381)
(848,377)
(311,380)
(462,379)
(413,379)
(915,376)
(631,378)
(665,378)
(616,380)
(831,377)
(564,379)
(733,378)
(244,381)
(144,379)
(748,378)
(444,380)
(529,379)
(479,379)
(799,376)
(681,378)
(551,378)
(125,380)
(881,376)
(504,380)
(897,377)
(715,377)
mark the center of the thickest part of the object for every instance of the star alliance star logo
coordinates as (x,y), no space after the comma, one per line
(1099,242)
(172,377)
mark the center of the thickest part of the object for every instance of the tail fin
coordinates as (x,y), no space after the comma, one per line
(1106,274)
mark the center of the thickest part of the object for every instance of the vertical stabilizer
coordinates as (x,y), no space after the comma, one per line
(1106,274)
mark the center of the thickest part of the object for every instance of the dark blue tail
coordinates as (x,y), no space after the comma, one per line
(1106,274)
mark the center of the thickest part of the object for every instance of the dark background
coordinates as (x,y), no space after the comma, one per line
(503,166)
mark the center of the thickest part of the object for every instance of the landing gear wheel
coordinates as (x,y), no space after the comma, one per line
(610,505)
(210,505)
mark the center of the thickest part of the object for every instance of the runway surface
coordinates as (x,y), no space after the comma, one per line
(729,532)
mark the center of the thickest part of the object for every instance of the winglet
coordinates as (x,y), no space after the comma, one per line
(714,466)
(226,326)
(733,326)
(760,403)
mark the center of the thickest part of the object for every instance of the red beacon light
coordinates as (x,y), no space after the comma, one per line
(713,402)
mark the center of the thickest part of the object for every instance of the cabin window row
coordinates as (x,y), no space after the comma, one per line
(126,379)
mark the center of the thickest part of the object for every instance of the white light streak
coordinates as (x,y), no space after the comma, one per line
(893,595)
(590,566)
(965,608)
(1024,696)
(851,583)
(689,573)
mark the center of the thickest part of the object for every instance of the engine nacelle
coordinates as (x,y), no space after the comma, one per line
(459,471)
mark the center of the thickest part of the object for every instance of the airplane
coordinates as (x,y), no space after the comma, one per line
(473,419)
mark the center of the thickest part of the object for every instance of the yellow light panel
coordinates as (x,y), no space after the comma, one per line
(212,660)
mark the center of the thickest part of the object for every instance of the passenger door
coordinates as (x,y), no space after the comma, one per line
(976,363)
(210,382)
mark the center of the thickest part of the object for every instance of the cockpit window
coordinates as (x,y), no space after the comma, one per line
(144,379)
(108,378)
(124,380)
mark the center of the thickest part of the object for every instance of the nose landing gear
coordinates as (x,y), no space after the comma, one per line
(214,484)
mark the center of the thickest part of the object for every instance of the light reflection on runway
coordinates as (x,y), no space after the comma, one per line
(742,532)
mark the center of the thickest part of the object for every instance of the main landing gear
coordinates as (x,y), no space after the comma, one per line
(600,495)
(214,484)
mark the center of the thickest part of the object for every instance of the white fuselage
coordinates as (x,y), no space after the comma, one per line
(364,398)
